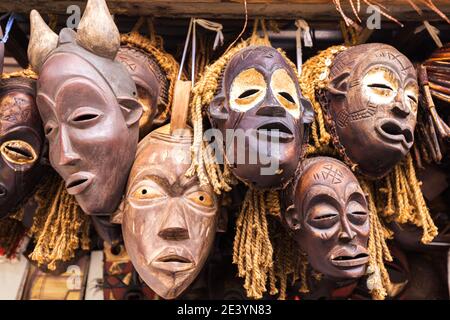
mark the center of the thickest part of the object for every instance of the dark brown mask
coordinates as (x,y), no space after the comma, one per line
(373,95)
(89,110)
(329,218)
(21,141)
(260,92)
(150,83)
(169,221)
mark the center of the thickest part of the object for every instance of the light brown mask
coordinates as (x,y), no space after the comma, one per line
(169,221)
(371,104)
(329,218)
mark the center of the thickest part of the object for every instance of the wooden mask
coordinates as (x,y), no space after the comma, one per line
(151,83)
(329,218)
(169,221)
(371,105)
(21,142)
(259,91)
(89,107)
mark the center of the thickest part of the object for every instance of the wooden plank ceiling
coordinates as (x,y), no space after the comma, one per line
(275,9)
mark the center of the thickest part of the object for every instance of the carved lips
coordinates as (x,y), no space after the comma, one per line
(173,260)
(394,132)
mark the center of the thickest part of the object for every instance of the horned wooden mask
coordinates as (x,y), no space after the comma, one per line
(329,218)
(88,104)
(21,142)
(259,91)
(371,105)
(169,220)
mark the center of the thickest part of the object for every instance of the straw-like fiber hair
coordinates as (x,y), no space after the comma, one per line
(59,227)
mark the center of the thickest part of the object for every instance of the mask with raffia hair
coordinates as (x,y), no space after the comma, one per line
(371,106)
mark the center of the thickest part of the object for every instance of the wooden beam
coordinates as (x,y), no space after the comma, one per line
(275,9)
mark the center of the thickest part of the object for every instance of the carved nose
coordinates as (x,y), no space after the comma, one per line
(400,110)
(346,234)
(67,155)
(174,227)
(271,111)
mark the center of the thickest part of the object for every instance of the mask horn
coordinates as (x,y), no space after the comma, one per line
(42,41)
(97,31)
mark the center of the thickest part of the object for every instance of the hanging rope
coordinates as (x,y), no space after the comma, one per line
(213,26)
(302,30)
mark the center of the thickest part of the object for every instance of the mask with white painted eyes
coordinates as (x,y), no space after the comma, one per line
(259,98)
(168,221)
(371,103)
(21,142)
(329,218)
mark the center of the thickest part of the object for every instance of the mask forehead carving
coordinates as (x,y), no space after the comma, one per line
(21,140)
(372,100)
(151,83)
(330,218)
(88,105)
(259,93)
(169,220)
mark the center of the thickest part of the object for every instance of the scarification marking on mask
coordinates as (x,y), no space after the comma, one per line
(130,65)
(16,112)
(329,172)
(355,83)
(344,117)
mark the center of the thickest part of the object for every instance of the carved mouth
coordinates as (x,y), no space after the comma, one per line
(174,260)
(78,182)
(276,130)
(346,258)
(392,131)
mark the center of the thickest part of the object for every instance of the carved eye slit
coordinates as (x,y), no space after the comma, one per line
(248,93)
(85,117)
(48,130)
(359,213)
(326,216)
(380,86)
(287,96)
(18,152)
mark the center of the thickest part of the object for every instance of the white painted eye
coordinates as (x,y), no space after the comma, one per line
(285,91)
(412,97)
(380,85)
(247,90)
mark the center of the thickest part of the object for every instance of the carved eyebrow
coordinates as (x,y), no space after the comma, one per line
(319,191)
(351,189)
(48,102)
